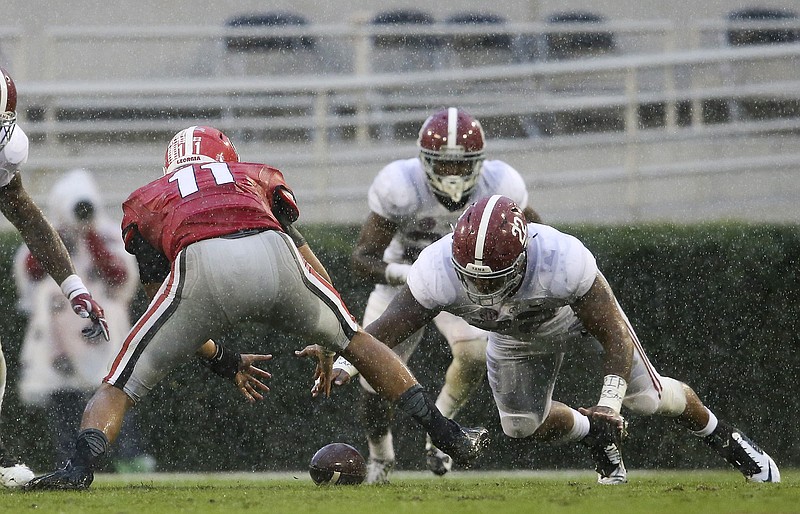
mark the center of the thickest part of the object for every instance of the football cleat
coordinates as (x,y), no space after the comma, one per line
(378,471)
(465,445)
(14,473)
(743,454)
(437,461)
(68,478)
(605,442)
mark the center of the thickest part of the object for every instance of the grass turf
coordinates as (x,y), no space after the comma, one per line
(672,492)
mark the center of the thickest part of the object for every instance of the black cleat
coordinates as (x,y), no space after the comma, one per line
(68,478)
(605,442)
(743,454)
(465,445)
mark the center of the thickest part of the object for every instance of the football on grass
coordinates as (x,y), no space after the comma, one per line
(337,464)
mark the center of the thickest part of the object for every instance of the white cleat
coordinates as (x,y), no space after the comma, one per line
(767,469)
(378,471)
(437,461)
(15,475)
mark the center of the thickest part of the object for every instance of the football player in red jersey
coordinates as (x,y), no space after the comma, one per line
(215,245)
(43,242)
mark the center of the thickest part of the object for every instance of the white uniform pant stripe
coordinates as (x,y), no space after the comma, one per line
(162,303)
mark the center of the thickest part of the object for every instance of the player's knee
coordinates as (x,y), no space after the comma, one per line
(520,426)
(647,401)
(470,353)
(673,398)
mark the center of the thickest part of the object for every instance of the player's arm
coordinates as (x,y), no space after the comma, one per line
(48,248)
(153,264)
(40,237)
(367,258)
(531,216)
(601,316)
(238,367)
(401,319)
(285,209)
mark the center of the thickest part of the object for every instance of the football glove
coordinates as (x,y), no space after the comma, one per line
(84,306)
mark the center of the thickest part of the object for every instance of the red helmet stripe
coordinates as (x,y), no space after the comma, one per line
(483,228)
(452,127)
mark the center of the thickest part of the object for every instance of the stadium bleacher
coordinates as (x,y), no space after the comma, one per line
(584,95)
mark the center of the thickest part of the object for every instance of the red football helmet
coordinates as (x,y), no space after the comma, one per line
(8,107)
(489,249)
(196,145)
(452,136)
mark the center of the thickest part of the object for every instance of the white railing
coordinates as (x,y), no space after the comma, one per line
(311,123)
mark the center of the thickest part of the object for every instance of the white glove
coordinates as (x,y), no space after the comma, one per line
(397,273)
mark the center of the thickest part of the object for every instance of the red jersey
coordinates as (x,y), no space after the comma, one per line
(202,201)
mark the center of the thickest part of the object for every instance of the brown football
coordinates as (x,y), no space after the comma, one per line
(337,464)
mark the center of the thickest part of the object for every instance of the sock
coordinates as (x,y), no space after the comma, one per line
(90,446)
(710,427)
(381,448)
(579,430)
(416,404)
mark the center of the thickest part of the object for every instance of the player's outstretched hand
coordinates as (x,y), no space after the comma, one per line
(84,306)
(323,373)
(249,378)
(608,416)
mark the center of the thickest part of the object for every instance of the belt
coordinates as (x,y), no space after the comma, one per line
(244,233)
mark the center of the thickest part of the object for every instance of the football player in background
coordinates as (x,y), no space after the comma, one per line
(60,369)
(18,207)
(414,202)
(215,245)
(539,294)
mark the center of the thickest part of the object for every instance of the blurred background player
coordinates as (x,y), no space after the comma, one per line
(60,368)
(414,202)
(215,244)
(540,294)
(43,241)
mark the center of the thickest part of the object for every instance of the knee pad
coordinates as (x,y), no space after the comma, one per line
(673,398)
(519,426)
(645,400)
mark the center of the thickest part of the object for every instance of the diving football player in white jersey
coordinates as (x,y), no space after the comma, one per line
(414,202)
(539,294)
(43,242)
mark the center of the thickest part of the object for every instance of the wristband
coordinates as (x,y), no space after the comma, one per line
(344,365)
(396,273)
(614,388)
(72,286)
(224,363)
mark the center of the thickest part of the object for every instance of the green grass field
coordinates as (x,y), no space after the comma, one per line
(673,492)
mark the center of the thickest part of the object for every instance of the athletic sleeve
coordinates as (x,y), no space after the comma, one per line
(153,265)
(392,195)
(432,280)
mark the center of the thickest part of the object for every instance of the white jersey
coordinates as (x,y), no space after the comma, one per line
(14,154)
(560,269)
(401,194)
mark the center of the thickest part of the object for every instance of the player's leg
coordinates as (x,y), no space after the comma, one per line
(318,314)
(13,472)
(464,374)
(180,318)
(377,413)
